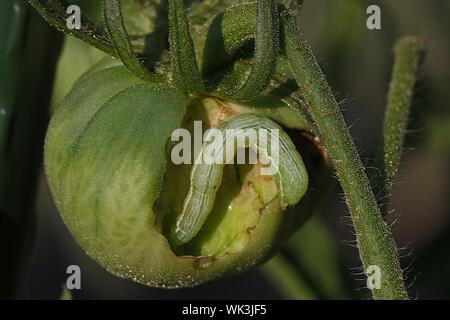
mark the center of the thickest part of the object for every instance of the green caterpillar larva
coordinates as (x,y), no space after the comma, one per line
(206,176)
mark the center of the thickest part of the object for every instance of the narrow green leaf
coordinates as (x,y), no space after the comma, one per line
(119,36)
(319,261)
(288,279)
(185,74)
(55,13)
(266,52)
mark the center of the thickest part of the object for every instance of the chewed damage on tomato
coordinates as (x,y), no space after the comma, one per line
(108,164)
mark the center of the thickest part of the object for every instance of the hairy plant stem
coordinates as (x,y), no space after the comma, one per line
(407,54)
(374,239)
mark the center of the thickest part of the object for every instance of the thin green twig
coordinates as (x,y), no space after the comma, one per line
(374,239)
(407,54)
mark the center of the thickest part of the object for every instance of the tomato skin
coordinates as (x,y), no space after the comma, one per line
(105,159)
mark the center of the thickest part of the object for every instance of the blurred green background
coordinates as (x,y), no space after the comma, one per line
(321,258)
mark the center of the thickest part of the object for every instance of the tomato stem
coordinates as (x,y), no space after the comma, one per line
(374,238)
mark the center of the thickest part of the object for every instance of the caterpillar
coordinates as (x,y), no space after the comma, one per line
(206,176)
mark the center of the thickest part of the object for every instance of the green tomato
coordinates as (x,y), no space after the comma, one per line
(107,159)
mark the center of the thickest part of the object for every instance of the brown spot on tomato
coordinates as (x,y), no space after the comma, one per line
(204,261)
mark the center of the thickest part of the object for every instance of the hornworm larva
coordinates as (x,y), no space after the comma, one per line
(290,176)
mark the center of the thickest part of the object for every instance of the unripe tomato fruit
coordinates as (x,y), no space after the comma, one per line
(107,159)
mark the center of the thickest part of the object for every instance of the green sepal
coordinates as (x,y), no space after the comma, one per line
(119,36)
(265,56)
(185,73)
